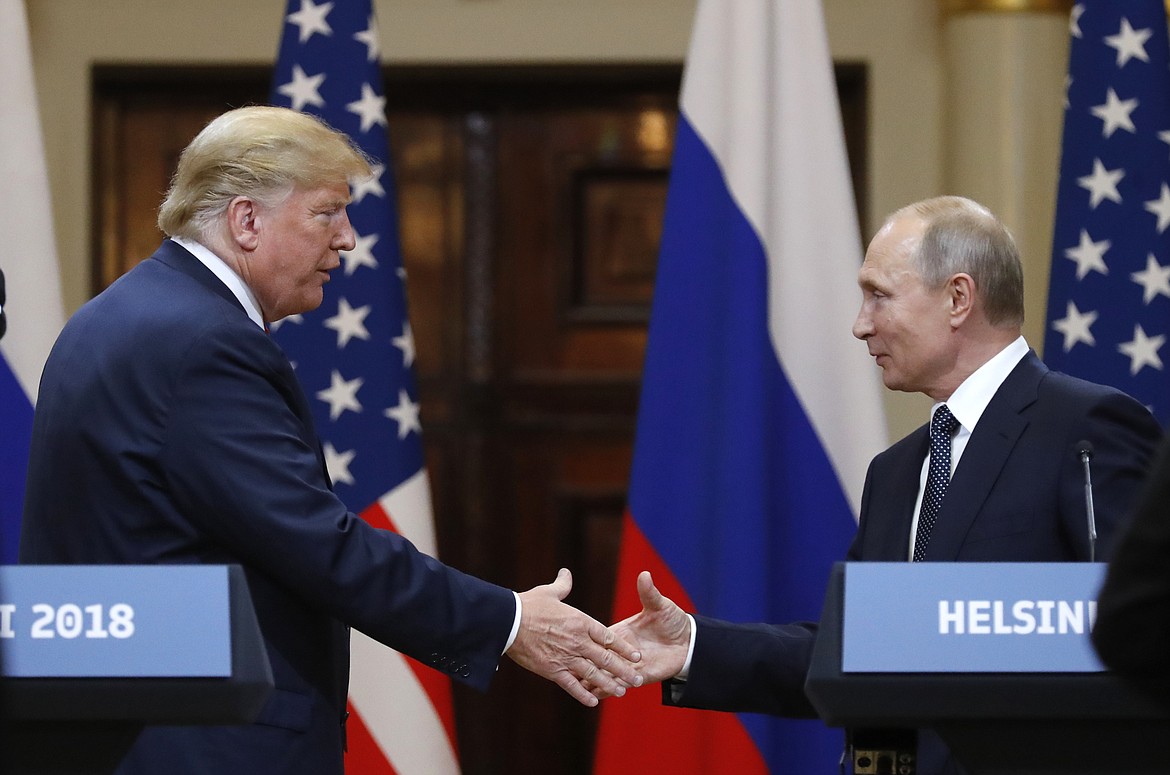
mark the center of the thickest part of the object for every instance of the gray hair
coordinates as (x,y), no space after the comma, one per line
(964,236)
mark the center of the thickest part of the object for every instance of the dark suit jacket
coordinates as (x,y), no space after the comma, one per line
(1133,612)
(1017,495)
(170,429)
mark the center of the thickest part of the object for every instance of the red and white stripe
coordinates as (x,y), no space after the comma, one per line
(402,716)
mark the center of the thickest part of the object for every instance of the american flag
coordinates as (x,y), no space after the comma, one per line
(1109,296)
(354,357)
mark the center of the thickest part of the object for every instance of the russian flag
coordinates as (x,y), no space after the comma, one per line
(759,411)
(29,264)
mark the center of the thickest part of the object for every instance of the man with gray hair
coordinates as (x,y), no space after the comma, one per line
(993,477)
(171,429)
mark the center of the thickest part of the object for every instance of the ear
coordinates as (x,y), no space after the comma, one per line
(243,222)
(961,292)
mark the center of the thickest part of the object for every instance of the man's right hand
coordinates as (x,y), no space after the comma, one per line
(661,631)
(573,650)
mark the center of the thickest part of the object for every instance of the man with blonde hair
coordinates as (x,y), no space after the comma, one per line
(993,477)
(171,429)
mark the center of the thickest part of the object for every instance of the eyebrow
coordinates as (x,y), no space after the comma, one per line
(333,204)
(870,281)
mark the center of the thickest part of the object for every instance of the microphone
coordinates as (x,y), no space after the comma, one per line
(1085,453)
(3,301)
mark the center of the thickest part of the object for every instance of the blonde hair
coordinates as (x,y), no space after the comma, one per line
(259,152)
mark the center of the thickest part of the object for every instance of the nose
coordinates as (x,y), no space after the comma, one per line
(863,324)
(345,239)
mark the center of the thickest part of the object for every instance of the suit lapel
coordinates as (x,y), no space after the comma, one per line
(987,451)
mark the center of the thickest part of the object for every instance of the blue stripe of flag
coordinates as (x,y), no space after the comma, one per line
(14,442)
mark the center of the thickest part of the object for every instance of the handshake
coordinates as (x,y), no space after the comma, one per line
(591,661)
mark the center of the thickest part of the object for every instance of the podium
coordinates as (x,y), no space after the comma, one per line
(91,654)
(1009,713)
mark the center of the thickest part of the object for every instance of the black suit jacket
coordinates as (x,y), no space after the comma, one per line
(1017,495)
(170,429)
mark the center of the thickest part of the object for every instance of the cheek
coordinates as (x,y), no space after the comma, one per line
(887,321)
(902,322)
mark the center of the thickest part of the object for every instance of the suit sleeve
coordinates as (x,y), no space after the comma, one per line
(241,462)
(753,668)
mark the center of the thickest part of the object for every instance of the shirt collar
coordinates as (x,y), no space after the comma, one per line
(971,398)
(226,275)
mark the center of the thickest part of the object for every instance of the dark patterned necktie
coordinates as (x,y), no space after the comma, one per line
(942,427)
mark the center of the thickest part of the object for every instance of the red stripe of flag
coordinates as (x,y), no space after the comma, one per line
(362,753)
(637,733)
(435,684)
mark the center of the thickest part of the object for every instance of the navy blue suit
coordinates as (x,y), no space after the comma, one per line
(170,429)
(1017,495)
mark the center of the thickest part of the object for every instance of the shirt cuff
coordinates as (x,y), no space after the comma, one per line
(516,626)
(686,668)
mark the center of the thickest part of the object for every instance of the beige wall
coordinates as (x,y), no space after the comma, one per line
(903,42)
(900,41)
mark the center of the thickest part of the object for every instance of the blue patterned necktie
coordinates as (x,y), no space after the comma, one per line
(942,427)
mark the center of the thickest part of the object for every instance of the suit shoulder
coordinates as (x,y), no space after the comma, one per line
(1061,386)
(156,303)
(911,444)
(1068,402)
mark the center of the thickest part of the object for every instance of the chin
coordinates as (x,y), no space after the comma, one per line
(312,301)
